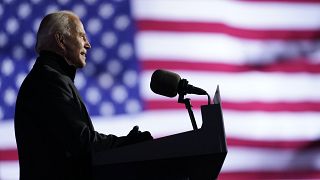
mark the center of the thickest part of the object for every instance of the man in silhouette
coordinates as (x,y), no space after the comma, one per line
(54,133)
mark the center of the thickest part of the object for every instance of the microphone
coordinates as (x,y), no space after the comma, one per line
(170,84)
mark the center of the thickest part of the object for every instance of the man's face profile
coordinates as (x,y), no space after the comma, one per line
(76,44)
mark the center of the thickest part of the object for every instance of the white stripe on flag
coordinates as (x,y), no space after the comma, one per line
(9,170)
(262,126)
(219,48)
(251,86)
(258,159)
(236,13)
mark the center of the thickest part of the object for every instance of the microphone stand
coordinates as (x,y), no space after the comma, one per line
(188,105)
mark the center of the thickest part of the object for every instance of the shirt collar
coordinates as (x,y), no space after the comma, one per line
(58,63)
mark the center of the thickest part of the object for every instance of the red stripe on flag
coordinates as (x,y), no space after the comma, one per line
(288,174)
(239,106)
(274,144)
(204,27)
(288,66)
(8,154)
(12,154)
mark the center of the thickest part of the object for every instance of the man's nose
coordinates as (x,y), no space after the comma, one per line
(87,45)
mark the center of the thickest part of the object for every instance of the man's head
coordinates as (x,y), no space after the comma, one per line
(63,33)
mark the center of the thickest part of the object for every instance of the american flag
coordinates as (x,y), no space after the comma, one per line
(264,55)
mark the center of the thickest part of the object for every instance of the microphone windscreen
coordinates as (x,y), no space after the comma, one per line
(165,83)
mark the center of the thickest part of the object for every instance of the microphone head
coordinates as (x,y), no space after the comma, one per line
(165,83)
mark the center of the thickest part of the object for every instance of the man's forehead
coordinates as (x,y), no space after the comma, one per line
(79,25)
(81,30)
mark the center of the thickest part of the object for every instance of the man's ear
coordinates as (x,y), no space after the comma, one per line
(60,40)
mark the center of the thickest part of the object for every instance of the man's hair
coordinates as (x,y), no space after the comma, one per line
(54,22)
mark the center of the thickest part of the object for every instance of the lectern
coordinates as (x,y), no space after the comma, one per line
(192,155)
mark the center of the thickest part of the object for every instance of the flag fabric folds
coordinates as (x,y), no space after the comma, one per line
(264,55)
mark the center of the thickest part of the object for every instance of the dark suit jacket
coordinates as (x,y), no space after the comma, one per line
(53,130)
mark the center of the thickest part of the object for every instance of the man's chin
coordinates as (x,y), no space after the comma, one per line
(82,65)
(79,63)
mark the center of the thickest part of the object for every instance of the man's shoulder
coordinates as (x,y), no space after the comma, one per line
(46,78)
(56,75)
(46,74)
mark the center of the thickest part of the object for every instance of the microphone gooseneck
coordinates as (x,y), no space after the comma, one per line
(170,84)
